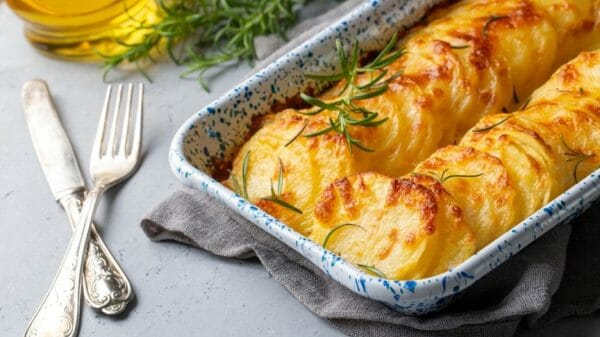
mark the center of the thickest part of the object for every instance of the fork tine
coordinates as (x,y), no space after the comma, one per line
(136,144)
(96,151)
(125,131)
(110,148)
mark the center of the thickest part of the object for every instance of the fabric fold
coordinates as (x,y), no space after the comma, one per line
(551,279)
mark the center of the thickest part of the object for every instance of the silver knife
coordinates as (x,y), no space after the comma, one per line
(105,285)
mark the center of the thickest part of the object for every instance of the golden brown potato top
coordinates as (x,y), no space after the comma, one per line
(470,59)
(505,168)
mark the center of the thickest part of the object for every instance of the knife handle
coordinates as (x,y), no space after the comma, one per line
(105,286)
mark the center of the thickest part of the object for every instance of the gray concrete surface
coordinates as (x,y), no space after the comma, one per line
(180,291)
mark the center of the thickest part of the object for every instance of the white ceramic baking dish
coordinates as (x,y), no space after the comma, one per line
(215,132)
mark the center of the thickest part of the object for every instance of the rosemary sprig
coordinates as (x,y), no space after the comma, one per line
(443,177)
(212,32)
(575,156)
(276,196)
(491,20)
(242,189)
(337,228)
(459,46)
(297,134)
(487,128)
(348,112)
(373,270)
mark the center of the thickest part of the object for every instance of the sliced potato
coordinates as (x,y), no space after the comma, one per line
(471,59)
(399,226)
(481,187)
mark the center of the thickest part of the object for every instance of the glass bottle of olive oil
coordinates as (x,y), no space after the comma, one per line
(84,29)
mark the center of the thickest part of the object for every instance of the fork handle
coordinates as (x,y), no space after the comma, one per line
(58,315)
(105,286)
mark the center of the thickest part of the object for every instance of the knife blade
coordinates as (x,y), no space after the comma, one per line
(50,141)
(105,285)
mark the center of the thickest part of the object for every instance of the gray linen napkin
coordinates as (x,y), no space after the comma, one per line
(555,277)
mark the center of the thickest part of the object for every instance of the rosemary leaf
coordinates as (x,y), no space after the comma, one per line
(337,228)
(245,174)
(493,125)
(373,270)
(297,134)
(236,185)
(579,162)
(373,92)
(317,102)
(325,78)
(318,133)
(384,51)
(283,203)
(311,112)
(280,178)
(339,48)
(443,177)
(576,156)
(462,176)
(373,81)
(384,58)
(383,62)
(491,20)
(276,197)
(361,146)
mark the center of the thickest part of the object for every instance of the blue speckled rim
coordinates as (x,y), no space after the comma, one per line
(216,131)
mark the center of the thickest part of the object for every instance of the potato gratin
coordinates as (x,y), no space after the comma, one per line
(472,61)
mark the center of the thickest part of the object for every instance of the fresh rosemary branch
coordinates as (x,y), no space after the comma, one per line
(213,32)
(276,196)
(442,178)
(348,112)
(491,20)
(575,156)
(242,189)
(487,128)
(335,229)
(373,270)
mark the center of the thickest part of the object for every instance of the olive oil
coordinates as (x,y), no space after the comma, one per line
(84,29)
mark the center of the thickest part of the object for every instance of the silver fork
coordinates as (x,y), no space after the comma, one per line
(113,160)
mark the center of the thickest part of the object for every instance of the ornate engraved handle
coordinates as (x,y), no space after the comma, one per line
(58,315)
(105,285)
